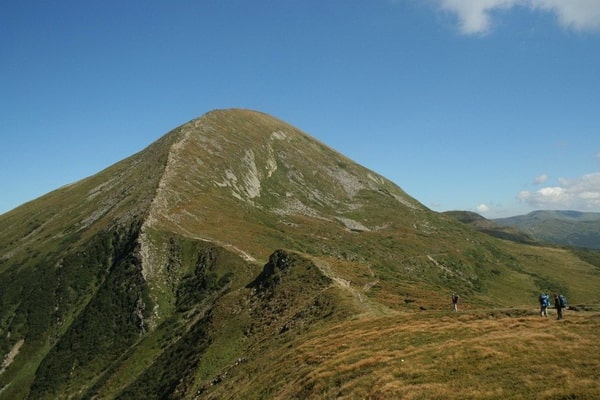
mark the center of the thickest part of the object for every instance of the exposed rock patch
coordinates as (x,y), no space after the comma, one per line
(10,357)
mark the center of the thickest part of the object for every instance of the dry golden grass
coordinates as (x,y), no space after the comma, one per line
(438,355)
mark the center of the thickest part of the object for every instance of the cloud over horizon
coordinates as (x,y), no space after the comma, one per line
(581,194)
(476,16)
(483,208)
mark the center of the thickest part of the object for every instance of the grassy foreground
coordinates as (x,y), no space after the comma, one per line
(474,354)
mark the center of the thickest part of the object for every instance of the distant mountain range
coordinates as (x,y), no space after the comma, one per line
(566,228)
(238,257)
(569,228)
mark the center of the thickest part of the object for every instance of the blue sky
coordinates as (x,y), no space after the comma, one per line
(490,106)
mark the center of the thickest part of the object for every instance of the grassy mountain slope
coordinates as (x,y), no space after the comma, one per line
(59,251)
(568,228)
(206,265)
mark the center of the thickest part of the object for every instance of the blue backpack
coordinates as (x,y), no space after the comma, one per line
(562,300)
(544,300)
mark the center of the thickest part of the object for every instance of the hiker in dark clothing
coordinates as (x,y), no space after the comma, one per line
(559,303)
(455,301)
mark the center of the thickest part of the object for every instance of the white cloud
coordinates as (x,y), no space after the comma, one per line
(581,194)
(540,179)
(475,16)
(573,14)
(482,208)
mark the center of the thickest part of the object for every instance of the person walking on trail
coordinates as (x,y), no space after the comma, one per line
(455,301)
(560,302)
(544,303)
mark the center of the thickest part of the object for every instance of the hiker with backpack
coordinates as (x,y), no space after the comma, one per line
(544,303)
(560,302)
(455,301)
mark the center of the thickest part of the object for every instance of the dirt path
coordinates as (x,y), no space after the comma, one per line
(369,307)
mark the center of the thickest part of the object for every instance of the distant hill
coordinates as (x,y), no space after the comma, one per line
(491,228)
(569,228)
(238,257)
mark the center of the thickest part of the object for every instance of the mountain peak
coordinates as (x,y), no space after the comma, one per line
(254,164)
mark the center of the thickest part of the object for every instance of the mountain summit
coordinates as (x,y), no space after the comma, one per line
(192,265)
(256,170)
